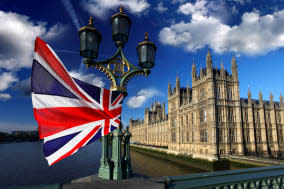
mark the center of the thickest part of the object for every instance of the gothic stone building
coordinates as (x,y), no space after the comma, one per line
(210,120)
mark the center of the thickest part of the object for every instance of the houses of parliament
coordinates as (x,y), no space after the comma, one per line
(209,120)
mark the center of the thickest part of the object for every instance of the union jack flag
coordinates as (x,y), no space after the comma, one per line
(70,113)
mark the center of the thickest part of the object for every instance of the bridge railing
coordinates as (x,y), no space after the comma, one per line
(252,178)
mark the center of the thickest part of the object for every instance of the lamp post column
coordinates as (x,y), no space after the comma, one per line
(119,71)
(105,168)
(127,159)
(116,154)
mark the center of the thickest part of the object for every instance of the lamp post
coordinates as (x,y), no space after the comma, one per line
(119,71)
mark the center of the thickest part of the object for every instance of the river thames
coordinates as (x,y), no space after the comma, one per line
(24,164)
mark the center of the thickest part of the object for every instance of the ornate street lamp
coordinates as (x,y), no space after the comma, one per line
(119,71)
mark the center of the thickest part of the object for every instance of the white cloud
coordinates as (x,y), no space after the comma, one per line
(160,8)
(89,78)
(54,31)
(142,96)
(197,8)
(17,35)
(7,78)
(4,96)
(255,34)
(101,8)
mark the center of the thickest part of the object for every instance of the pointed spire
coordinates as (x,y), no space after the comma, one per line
(233,62)
(260,96)
(222,66)
(201,72)
(208,60)
(222,70)
(234,68)
(208,54)
(169,89)
(177,82)
(271,97)
(193,71)
(249,94)
(281,98)
(187,84)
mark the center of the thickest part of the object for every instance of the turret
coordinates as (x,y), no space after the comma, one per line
(249,96)
(193,72)
(271,99)
(208,60)
(281,100)
(208,63)
(260,98)
(177,84)
(234,68)
(147,110)
(169,89)
(222,71)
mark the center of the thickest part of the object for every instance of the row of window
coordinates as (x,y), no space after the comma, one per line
(258,135)
(230,133)
(203,136)
(219,93)
(202,119)
(257,116)
(221,116)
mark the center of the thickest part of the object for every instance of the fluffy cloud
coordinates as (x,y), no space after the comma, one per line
(255,34)
(4,96)
(100,8)
(17,35)
(160,8)
(89,78)
(197,8)
(7,78)
(142,96)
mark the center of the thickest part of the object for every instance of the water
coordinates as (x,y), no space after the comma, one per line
(24,164)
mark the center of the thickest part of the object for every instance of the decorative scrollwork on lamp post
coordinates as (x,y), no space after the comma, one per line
(119,71)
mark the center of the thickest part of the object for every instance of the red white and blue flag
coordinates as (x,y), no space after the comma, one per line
(70,113)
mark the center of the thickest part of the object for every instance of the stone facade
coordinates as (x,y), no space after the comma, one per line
(210,120)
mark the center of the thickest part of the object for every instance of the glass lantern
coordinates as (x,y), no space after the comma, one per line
(90,39)
(146,51)
(120,23)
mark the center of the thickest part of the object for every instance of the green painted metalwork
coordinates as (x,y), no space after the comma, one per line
(118,82)
(253,178)
(105,170)
(116,154)
(126,156)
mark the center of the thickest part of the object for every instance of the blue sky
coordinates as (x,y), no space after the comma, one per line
(251,30)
